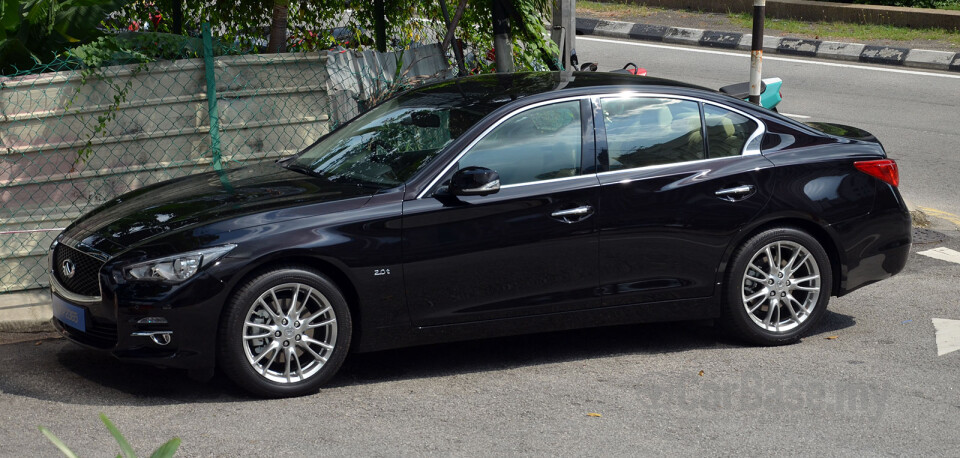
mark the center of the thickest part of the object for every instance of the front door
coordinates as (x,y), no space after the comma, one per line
(530,248)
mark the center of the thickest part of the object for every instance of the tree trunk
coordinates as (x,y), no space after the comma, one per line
(177,27)
(502,43)
(278,27)
(379,25)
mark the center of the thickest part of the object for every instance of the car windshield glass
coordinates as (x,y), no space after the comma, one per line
(388,144)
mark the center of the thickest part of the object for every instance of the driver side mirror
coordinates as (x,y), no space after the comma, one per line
(474,181)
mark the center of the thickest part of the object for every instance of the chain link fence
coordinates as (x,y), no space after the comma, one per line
(72,137)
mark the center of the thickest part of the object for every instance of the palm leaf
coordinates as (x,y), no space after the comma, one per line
(167,450)
(57,442)
(124,445)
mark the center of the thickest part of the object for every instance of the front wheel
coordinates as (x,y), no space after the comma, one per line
(284,333)
(777,288)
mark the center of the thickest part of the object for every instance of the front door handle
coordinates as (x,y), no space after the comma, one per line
(572,215)
(735,193)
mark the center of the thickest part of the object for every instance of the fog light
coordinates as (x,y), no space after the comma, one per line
(158,337)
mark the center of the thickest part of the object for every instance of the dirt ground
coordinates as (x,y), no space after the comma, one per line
(39,338)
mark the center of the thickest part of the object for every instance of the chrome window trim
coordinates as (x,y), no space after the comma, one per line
(665,166)
(487,131)
(591,177)
(752,146)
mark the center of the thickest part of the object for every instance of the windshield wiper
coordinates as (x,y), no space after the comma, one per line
(302,169)
(350,180)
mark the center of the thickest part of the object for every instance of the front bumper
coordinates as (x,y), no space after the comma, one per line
(163,325)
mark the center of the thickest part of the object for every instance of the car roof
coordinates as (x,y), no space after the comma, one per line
(491,91)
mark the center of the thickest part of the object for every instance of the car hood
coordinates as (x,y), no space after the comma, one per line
(206,198)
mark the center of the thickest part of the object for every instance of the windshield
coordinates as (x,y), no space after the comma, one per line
(387,145)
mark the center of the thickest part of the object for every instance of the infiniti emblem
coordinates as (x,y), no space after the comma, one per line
(68,268)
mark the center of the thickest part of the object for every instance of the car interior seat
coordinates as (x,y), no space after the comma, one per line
(722,137)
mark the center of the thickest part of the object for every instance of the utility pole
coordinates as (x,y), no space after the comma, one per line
(502,44)
(756,50)
(564,29)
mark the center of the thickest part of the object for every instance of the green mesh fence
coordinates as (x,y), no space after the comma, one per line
(73,137)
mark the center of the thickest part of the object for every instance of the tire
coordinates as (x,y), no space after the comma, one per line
(775,303)
(294,347)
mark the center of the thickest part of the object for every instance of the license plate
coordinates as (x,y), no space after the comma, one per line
(69,314)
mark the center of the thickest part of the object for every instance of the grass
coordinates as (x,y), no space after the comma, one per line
(861,32)
(615,8)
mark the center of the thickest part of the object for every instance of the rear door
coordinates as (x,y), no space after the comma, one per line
(681,178)
(530,248)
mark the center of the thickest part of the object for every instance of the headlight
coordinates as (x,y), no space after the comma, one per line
(175,268)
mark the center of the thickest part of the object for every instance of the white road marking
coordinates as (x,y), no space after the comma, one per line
(795,116)
(781,59)
(948,335)
(943,254)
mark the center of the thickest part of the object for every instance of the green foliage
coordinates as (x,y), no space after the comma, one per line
(322,24)
(166,450)
(35,31)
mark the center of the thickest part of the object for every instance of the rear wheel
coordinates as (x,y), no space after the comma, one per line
(285,333)
(777,288)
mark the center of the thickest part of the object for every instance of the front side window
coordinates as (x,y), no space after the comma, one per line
(643,131)
(541,143)
(727,132)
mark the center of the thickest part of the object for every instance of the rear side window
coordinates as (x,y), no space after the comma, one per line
(538,144)
(727,132)
(649,131)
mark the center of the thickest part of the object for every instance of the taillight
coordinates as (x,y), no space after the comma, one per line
(884,169)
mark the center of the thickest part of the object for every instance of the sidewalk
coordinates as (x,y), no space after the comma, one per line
(26,311)
(796,46)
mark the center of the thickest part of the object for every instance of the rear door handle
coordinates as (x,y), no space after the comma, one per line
(572,215)
(735,193)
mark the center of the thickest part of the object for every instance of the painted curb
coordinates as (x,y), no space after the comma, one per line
(727,40)
(857,52)
(924,58)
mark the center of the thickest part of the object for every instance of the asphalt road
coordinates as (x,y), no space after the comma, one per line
(867,381)
(877,388)
(914,113)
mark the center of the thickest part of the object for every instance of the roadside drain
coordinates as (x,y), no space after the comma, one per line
(923,235)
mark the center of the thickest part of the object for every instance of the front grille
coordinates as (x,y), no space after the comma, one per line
(85,280)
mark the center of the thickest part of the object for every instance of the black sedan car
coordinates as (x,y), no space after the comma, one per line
(487,206)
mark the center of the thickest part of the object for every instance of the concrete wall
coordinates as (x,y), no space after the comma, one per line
(823,11)
(269,106)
